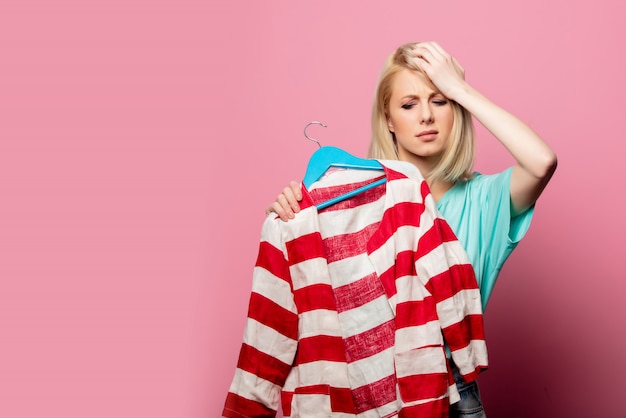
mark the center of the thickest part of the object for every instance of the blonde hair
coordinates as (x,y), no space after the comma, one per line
(456,161)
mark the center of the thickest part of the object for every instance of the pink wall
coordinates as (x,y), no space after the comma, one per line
(140,142)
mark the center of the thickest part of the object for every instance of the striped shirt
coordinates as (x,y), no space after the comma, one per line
(350,306)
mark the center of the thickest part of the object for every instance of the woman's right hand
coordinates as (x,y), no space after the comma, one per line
(286,204)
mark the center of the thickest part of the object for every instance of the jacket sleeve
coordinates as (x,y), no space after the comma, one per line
(457,297)
(270,335)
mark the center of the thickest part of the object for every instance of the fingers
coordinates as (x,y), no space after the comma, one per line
(434,49)
(286,204)
(296,189)
(278,210)
(429,56)
(292,195)
(435,56)
(437,49)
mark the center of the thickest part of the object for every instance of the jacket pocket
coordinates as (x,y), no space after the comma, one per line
(311,401)
(422,373)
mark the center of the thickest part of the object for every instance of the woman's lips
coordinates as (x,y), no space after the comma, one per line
(427,135)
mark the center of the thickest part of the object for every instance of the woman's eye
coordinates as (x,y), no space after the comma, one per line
(440,102)
(408,106)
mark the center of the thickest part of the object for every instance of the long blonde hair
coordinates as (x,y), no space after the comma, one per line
(457,160)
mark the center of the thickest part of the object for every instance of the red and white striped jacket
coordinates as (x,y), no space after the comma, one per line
(352,305)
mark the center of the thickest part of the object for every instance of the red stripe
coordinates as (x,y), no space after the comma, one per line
(320,348)
(423,386)
(405,264)
(370,342)
(340,398)
(358,293)
(473,375)
(394,175)
(273,315)
(447,234)
(340,247)
(285,401)
(388,280)
(313,390)
(448,283)
(316,296)
(416,313)
(439,232)
(375,395)
(439,408)
(401,214)
(237,407)
(263,365)
(273,260)
(305,247)
(458,334)
(324,194)
(424,189)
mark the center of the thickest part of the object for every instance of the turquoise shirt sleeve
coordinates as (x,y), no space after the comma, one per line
(479,213)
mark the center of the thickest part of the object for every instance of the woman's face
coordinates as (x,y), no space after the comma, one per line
(420,117)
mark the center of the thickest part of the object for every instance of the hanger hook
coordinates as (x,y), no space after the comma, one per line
(310,138)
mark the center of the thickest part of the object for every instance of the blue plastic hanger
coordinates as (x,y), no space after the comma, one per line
(327,157)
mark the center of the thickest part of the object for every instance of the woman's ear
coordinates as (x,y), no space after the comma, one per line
(389,125)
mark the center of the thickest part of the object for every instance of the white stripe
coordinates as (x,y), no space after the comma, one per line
(319,322)
(310,405)
(410,288)
(269,341)
(406,190)
(349,221)
(417,336)
(271,232)
(371,369)
(440,259)
(274,288)
(423,401)
(384,257)
(454,309)
(404,239)
(342,415)
(387,410)
(309,272)
(256,389)
(367,316)
(321,372)
(350,270)
(418,361)
(475,354)
(453,393)
(305,223)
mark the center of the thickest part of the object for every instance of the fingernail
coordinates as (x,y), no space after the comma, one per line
(290,214)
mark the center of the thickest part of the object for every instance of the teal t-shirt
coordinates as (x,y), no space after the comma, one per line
(479,212)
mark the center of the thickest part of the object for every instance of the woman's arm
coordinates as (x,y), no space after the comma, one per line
(536,161)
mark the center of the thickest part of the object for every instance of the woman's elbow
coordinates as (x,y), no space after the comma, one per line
(545,165)
(550,163)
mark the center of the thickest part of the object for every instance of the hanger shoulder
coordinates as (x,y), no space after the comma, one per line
(329,156)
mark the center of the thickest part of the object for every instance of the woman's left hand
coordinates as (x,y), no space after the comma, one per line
(442,68)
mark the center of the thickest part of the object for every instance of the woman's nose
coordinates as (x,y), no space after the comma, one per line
(426,116)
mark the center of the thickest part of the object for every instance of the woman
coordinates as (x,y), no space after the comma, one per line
(422,114)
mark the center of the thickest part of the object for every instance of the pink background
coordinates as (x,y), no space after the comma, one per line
(140,142)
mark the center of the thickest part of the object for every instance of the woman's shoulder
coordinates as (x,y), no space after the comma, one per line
(480,180)
(479,186)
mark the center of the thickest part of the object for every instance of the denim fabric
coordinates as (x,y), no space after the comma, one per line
(470,405)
